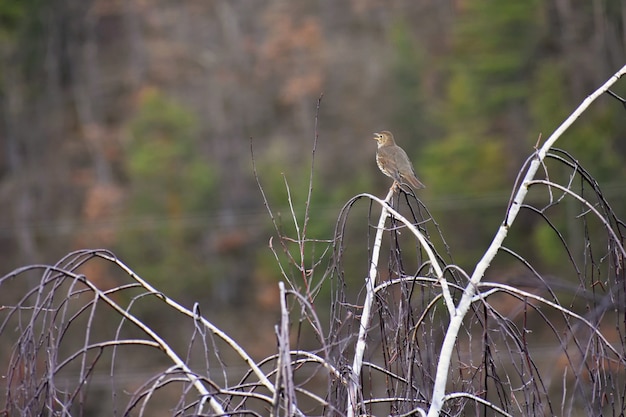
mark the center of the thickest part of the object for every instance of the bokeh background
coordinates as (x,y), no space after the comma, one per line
(128,125)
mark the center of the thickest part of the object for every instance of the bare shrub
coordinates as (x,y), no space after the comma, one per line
(423,337)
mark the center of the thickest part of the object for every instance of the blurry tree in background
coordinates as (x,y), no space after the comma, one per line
(171,186)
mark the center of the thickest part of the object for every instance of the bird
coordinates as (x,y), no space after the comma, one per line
(394,162)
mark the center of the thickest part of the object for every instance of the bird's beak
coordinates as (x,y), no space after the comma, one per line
(376,136)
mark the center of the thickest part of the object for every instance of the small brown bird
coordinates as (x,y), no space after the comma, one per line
(394,162)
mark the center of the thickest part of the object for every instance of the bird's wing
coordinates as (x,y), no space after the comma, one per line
(404,165)
(403,162)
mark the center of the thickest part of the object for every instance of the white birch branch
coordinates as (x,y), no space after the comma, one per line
(370,280)
(443,366)
(357,364)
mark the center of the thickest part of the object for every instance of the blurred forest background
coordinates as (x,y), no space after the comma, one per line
(126,125)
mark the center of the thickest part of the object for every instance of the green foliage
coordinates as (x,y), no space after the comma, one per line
(593,144)
(464,165)
(486,86)
(501,92)
(594,140)
(11,14)
(172,183)
(547,245)
(493,46)
(548,104)
(22,37)
(168,174)
(409,110)
(495,43)
(462,97)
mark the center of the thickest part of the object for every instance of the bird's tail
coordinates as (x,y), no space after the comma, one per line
(414,182)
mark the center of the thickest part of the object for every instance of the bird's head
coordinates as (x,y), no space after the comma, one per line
(384,138)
